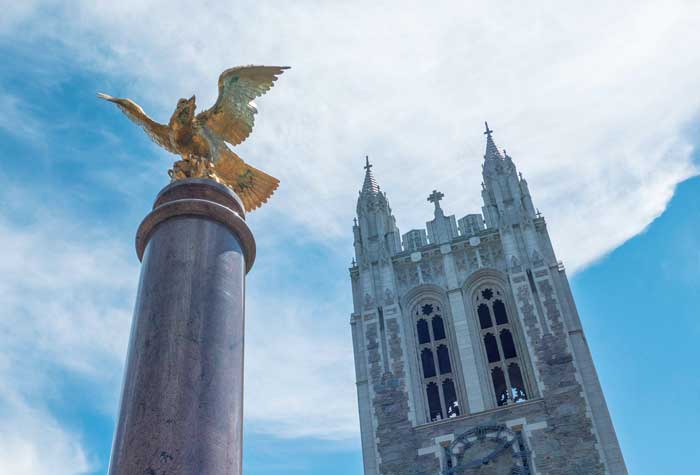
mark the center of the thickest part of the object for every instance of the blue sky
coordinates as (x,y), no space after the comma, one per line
(598,107)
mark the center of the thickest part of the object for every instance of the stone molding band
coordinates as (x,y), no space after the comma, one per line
(200,208)
(202,189)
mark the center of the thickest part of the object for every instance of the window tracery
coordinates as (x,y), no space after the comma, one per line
(435,362)
(498,337)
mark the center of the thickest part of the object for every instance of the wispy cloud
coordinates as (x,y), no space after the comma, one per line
(18,119)
(33,443)
(299,370)
(590,100)
(67,297)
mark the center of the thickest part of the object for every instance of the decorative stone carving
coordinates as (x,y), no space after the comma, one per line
(486,258)
(497,251)
(413,279)
(437,266)
(388,297)
(537,260)
(515,264)
(473,260)
(407,275)
(368,301)
(461,261)
(402,276)
(427,271)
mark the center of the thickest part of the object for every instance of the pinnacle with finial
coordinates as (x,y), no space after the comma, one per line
(491,149)
(370,184)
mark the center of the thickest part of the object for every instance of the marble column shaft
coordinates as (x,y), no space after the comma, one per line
(182,398)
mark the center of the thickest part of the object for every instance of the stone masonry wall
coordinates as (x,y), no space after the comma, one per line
(568,444)
(556,425)
(394,432)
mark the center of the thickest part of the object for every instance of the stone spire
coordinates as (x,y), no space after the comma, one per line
(491,149)
(370,184)
(508,204)
(376,233)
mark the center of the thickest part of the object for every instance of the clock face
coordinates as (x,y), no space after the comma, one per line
(487,450)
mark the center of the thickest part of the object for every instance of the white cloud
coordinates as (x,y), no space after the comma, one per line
(65,301)
(67,297)
(32,442)
(590,100)
(299,370)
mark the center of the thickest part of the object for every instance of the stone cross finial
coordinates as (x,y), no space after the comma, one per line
(367,164)
(488,131)
(435,198)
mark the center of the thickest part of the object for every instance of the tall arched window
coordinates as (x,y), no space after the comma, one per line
(498,337)
(435,362)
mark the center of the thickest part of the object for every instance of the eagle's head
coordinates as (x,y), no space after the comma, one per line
(184,112)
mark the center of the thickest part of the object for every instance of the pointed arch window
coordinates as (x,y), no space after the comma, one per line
(436,364)
(500,346)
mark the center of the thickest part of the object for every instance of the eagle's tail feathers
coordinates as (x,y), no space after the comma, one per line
(253,186)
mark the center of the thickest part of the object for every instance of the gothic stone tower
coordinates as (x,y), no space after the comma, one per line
(469,352)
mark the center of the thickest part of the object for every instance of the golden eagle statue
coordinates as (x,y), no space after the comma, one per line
(201,140)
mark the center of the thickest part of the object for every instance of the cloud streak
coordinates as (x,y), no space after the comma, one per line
(592,101)
(61,314)
(589,100)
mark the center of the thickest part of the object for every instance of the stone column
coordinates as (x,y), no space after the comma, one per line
(182,401)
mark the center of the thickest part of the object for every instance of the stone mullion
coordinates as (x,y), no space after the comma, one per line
(442,397)
(505,362)
(435,379)
(436,364)
(484,331)
(495,329)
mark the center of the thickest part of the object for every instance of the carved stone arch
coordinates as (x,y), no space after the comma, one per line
(492,277)
(423,291)
(408,303)
(484,276)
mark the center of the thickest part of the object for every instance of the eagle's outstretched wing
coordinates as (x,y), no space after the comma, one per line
(233,115)
(253,186)
(159,133)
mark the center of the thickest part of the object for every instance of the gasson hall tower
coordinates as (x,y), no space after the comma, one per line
(469,352)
